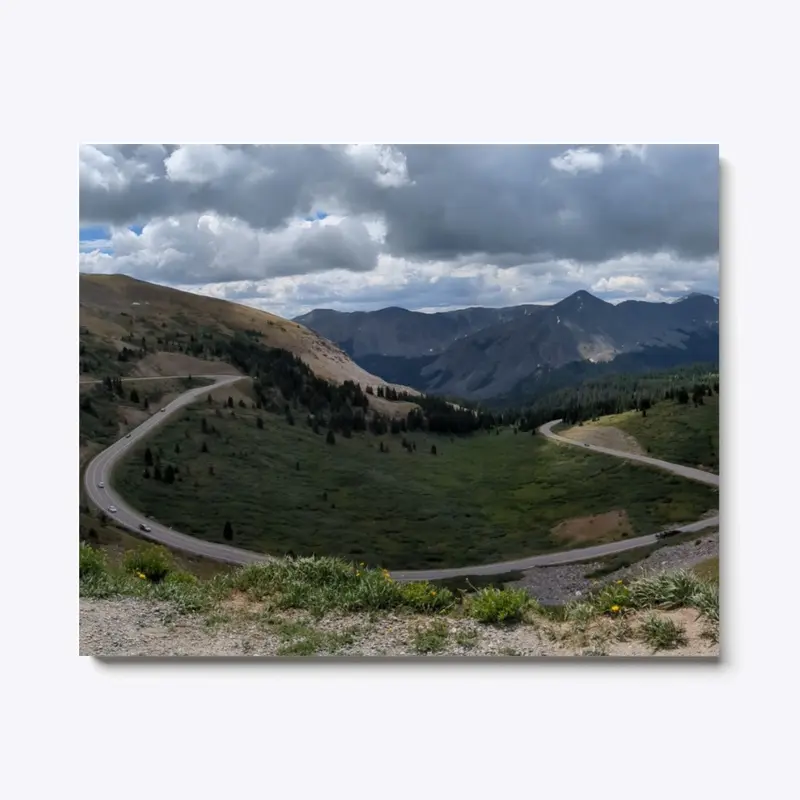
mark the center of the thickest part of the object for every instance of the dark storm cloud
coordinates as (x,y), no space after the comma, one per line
(500,200)
(504,205)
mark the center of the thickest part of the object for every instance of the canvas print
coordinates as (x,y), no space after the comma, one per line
(399,401)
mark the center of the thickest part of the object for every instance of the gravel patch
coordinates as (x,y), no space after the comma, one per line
(130,627)
(559,585)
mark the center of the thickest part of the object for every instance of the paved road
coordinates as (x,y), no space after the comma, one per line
(100,468)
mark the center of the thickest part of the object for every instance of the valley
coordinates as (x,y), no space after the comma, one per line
(479,499)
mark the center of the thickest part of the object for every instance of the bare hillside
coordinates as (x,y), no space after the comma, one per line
(114,307)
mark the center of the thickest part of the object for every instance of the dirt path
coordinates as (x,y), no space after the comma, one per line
(604,436)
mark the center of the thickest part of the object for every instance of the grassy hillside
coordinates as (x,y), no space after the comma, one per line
(681,433)
(124,318)
(481,498)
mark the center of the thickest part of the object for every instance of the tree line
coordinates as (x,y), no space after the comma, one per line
(617,393)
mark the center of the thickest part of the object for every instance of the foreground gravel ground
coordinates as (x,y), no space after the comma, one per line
(559,585)
(127,627)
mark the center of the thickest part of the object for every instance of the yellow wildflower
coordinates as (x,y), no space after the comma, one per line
(614,609)
(141,575)
(619,581)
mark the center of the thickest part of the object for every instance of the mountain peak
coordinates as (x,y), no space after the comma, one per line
(580,299)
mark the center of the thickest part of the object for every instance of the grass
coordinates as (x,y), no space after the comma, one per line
(321,586)
(663,633)
(467,639)
(708,569)
(302,639)
(431,639)
(673,432)
(481,499)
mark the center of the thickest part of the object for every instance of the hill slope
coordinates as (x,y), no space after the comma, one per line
(117,311)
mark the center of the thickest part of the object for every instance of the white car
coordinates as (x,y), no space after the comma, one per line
(128,436)
(101,485)
(163,410)
(112,509)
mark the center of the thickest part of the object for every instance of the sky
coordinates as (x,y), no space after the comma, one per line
(290,228)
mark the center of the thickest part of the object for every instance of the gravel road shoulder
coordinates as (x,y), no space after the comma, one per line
(559,585)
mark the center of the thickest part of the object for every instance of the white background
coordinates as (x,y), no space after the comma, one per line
(402,72)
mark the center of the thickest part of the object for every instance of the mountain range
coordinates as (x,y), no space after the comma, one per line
(485,353)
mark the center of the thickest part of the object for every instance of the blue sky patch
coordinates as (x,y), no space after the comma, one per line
(137,229)
(93,233)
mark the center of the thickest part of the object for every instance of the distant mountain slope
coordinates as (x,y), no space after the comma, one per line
(406,334)
(484,353)
(697,347)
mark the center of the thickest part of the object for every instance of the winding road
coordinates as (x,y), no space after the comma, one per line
(100,469)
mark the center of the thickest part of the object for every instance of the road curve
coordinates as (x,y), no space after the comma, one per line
(584,553)
(100,468)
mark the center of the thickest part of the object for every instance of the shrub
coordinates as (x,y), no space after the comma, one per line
(423,596)
(92,562)
(153,561)
(499,605)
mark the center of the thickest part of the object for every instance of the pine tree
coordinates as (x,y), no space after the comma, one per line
(259,423)
(148,458)
(169,474)
(433,449)
(227,532)
(157,473)
(204,448)
(330,438)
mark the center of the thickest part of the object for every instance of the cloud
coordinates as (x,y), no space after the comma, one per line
(405,223)
(578,160)
(205,248)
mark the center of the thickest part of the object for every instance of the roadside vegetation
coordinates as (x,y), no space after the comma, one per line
(672,415)
(274,593)
(272,484)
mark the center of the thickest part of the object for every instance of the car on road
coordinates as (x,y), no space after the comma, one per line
(128,436)
(101,485)
(163,410)
(145,528)
(112,509)
(667,534)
